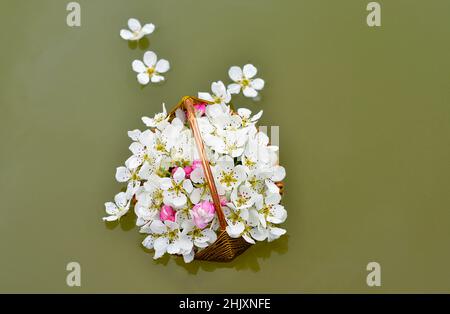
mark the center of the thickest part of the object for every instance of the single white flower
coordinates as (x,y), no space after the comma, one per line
(118,208)
(244,80)
(200,238)
(270,210)
(123,174)
(167,237)
(150,69)
(176,188)
(143,151)
(228,175)
(236,220)
(243,197)
(220,94)
(136,31)
(145,213)
(159,121)
(246,118)
(149,202)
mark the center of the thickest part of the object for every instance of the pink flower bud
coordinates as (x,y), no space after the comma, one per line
(203,213)
(223,200)
(187,171)
(201,108)
(167,213)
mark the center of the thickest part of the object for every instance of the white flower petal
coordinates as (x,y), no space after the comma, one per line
(235,230)
(165,183)
(189,257)
(234,88)
(278,173)
(137,148)
(134,161)
(173,248)
(278,214)
(249,92)
(235,73)
(150,58)
(143,78)
(157,78)
(257,84)
(148,121)
(179,201)
(121,199)
(244,112)
(138,66)
(111,208)
(148,28)
(187,185)
(148,242)
(258,234)
(273,198)
(126,34)
(158,227)
(134,25)
(195,196)
(257,116)
(179,175)
(134,135)
(205,96)
(249,71)
(197,175)
(218,88)
(160,245)
(123,174)
(248,239)
(275,233)
(162,66)
(110,218)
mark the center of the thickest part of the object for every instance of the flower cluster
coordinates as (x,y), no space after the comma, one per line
(166,184)
(150,69)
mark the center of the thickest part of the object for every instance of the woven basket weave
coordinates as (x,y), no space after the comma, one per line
(225,248)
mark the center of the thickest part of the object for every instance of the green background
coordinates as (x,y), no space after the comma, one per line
(364,116)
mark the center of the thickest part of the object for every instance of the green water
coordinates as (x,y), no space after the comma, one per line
(364,135)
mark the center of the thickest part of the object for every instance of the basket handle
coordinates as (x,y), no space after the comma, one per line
(189,106)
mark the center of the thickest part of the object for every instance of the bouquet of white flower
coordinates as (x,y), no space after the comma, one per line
(203,181)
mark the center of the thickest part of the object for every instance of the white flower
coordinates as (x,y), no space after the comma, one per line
(244,80)
(269,209)
(150,69)
(136,31)
(117,209)
(244,113)
(201,189)
(123,174)
(143,151)
(176,188)
(236,220)
(149,202)
(200,238)
(167,237)
(228,175)
(257,153)
(159,121)
(243,197)
(220,94)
